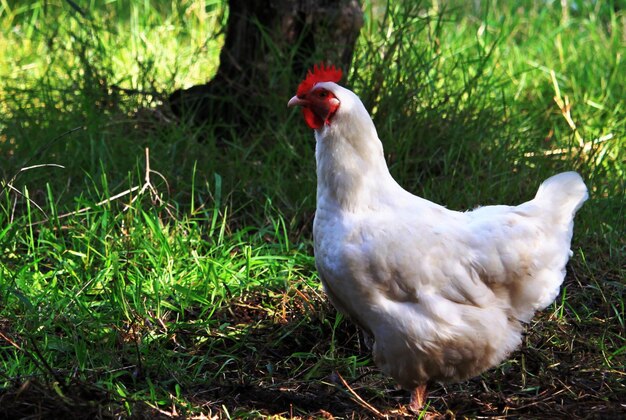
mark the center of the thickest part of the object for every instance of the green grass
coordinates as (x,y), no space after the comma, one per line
(198,294)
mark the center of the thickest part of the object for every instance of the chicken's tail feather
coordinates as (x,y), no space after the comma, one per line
(565,192)
(559,197)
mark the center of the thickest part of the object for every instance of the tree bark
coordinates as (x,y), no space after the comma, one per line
(262,36)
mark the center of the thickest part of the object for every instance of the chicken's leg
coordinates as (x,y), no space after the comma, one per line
(418,398)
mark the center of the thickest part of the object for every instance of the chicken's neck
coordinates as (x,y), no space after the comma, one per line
(351,170)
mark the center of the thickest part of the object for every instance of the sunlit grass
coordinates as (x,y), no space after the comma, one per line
(138,43)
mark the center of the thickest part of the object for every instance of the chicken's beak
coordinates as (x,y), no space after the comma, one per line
(295,101)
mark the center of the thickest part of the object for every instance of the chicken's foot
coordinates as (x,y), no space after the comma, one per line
(418,398)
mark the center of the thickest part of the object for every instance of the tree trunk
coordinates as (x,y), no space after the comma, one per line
(262,36)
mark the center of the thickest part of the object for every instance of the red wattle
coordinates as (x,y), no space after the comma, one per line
(312,120)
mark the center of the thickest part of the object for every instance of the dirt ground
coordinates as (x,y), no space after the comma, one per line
(557,374)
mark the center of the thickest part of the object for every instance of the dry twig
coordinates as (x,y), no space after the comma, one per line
(566,107)
(147,185)
(357,398)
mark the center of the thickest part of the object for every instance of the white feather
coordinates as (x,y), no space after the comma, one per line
(443,293)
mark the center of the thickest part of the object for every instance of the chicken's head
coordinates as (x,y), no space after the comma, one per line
(318,103)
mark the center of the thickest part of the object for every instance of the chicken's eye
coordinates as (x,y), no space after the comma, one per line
(322,94)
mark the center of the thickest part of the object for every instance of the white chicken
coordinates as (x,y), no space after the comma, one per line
(443,293)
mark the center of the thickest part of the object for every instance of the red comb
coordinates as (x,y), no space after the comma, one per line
(319,74)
